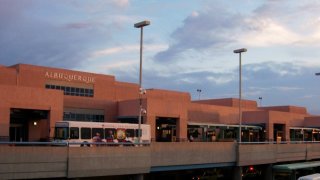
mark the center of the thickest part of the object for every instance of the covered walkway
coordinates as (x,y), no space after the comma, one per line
(295,170)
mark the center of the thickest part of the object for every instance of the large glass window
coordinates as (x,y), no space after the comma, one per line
(72,91)
(70,116)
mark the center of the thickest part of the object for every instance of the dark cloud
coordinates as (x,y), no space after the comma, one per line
(32,36)
(278,84)
(213,27)
(10,10)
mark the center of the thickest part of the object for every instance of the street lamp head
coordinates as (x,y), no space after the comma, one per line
(317,74)
(142,24)
(240,50)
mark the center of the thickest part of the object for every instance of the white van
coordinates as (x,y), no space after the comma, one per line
(310,177)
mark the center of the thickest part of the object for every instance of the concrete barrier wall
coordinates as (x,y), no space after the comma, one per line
(29,162)
(19,162)
(313,151)
(107,161)
(250,154)
(291,152)
(172,154)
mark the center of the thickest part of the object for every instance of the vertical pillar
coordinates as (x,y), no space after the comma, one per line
(4,123)
(182,127)
(55,114)
(267,172)
(151,120)
(237,173)
(138,177)
(287,132)
(270,134)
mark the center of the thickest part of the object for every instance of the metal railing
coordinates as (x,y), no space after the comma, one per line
(80,144)
(131,144)
(281,142)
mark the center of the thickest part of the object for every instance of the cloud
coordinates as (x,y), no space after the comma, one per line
(121,3)
(287,88)
(35,36)
(267,32)
(79,25)
(259,80)
(99,6)
(127,49)
(217,28)
(223,79)
(123,64)
(200,31)
(10,10)
(114,50)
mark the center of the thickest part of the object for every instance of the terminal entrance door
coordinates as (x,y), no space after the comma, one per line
(166,129)
(17,132)
(28,125)
(279,132)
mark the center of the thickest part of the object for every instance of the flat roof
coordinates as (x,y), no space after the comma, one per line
(295,166)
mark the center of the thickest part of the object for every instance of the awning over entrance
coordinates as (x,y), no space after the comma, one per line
(295,166)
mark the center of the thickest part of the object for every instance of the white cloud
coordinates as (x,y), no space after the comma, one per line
(121,3)
(287,88)
(118,65)
(308,96)
(308,63)
(267,32)
(188,80)
(278,88)
(114,50)
(194,14)
(219,80)
(128,49)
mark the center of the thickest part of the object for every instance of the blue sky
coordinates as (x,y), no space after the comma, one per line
(188,46)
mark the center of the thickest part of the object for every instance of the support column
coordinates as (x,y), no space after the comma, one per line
(138,177)
(270,130)
(5,123)
(151,120)
(287,133)
(182,130)
(267,172)
(237,173)
(55,114)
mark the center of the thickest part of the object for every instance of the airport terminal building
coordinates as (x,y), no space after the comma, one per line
(34,98)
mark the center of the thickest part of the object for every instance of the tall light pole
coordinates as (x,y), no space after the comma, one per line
(239,51)
(260,99)
(141,91)
(199,91)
